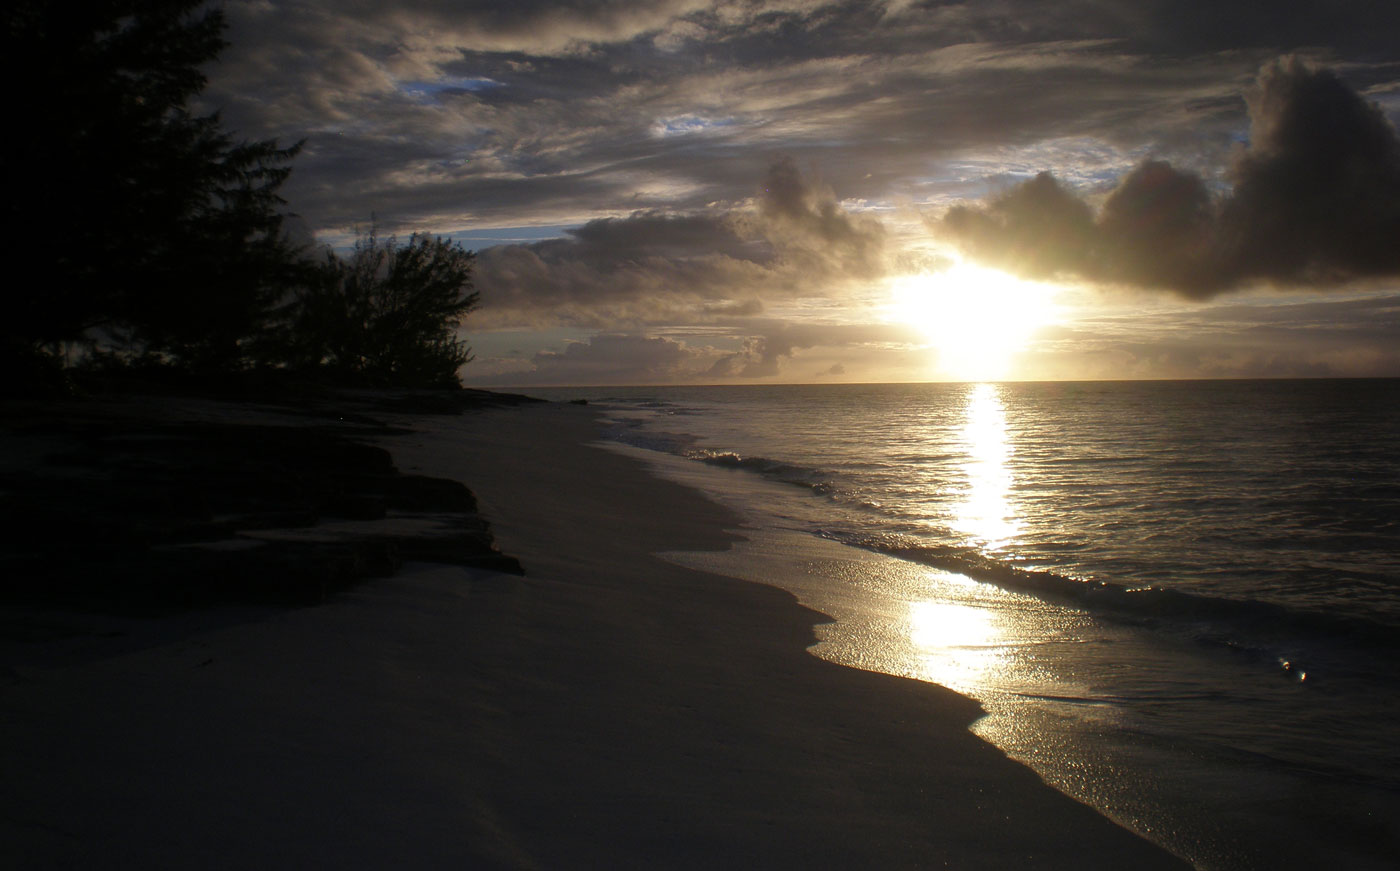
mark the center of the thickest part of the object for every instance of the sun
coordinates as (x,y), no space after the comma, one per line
(977,318)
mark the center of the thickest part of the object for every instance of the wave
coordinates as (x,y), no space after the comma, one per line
(787,473)
(632,432)
(657,406)
(1211,619)
(1243,625)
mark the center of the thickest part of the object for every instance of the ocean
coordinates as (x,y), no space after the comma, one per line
(1179,602)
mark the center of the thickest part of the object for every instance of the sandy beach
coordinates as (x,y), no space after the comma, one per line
(606,710)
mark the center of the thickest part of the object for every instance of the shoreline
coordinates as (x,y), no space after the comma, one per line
(606,709)
(746,645)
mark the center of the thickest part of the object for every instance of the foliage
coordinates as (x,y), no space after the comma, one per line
(156,238)
(388,313)
(148,223)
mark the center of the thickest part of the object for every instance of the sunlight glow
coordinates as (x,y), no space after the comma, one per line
(977,318)
(986,514)
(958,646)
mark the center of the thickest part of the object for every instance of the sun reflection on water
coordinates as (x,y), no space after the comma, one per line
(963,646)
(958,646)
(985,513)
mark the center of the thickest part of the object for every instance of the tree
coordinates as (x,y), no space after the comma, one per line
(388,313)
(147,222)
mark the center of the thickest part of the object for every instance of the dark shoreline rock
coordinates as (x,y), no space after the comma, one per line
(125,511)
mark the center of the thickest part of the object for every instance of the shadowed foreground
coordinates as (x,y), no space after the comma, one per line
(606,710)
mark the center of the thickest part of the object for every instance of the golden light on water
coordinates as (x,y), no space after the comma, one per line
(958,646)
(985,512)
(962,645)
(976,318)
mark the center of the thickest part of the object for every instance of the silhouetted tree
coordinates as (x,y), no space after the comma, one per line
(388,313)
(144,220)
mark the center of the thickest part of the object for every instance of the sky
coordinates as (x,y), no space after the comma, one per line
(777,191)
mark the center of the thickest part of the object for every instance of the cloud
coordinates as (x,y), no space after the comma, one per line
(1315,202)
(613,358)
(1317,195)
(645,268)
(1037,229)
(1157,227)
(1255,337)
(658,234)
(803,215)
(764,352)
(653,267)
(762,355)
(650,127)
(441,116)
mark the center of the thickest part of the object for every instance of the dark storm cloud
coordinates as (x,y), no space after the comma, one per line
(652,266)
(1315,202)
